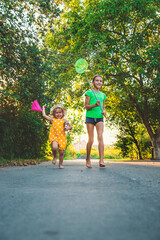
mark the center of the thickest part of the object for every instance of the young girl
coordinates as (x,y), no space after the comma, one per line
(57,135)
(94,118)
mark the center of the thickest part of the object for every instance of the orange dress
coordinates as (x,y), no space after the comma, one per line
(57,133)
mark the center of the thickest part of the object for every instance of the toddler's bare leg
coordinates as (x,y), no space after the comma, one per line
(54,150)
(61,157)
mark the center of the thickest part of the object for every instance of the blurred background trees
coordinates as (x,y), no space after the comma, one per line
(40,43)
(22,76)
(120,40)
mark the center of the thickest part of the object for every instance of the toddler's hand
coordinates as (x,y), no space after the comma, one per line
(66,127)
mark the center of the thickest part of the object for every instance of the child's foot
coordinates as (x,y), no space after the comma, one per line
(61,167)
(88,164)
(101,164)
(54,161)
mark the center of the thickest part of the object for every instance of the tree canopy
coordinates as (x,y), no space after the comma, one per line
(23,66)
(120,40)
(42,40)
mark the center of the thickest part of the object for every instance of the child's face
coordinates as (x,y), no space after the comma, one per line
(58,113)
(98,81)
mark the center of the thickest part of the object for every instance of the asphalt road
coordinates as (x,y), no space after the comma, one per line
(42,202)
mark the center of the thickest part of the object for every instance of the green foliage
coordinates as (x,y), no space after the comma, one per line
(22,135)
(120,40)
(39,47)
(109,153)
(23,76)
(70,153)
(134,142)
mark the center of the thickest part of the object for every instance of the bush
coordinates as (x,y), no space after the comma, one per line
(22,136)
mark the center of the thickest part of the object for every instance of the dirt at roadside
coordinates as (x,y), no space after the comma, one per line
(25,162)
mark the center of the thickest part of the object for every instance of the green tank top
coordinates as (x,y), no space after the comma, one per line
(95,112)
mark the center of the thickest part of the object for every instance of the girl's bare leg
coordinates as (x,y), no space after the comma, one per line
(54,150)
(90,130)
(61,157)
(100,129)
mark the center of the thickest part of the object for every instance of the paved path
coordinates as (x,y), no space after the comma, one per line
(42,202)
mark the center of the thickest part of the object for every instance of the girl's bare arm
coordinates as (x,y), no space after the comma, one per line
(45,116)
(89,107)
(104,111)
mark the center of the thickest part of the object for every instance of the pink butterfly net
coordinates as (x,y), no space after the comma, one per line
(36,106)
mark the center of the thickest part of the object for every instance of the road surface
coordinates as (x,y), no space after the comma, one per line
(42,202)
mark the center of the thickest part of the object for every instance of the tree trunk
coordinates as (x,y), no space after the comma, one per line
(132,134)
(156,147)
(155,138)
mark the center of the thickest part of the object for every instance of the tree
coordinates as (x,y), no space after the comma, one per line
(120,40)
(29,70)
(22,75)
